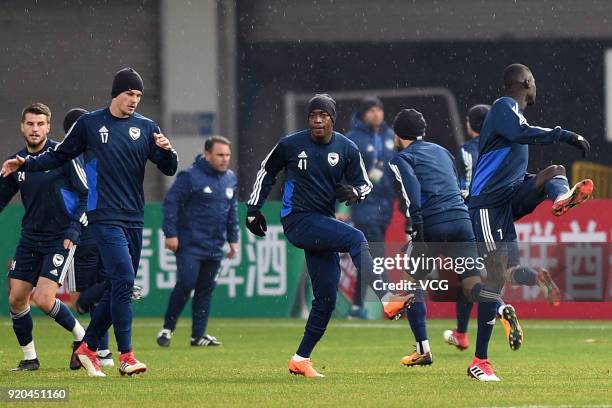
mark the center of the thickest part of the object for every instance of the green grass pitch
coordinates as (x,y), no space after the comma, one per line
(561,363)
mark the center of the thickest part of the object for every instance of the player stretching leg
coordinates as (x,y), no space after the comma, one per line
(428,183)
(54,203)
(501,193)
(117,142)
(317,161)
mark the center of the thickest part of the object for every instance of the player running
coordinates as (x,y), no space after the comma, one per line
(440,225)
(54,204)
(501,191)
(116,142)
(321,166)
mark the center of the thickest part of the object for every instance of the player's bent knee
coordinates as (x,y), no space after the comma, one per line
(18,303)
(553,171)
(44,301)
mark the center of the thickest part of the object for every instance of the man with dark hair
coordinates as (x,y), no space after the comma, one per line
(374,138)
(440,224)
(321,166)
(200,216)
(54,205)
(116,143)
(86,280)
(502,192)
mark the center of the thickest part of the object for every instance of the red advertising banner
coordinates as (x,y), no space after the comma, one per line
(575,248)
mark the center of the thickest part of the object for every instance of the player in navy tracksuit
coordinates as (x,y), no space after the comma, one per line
(501,192)
(86,275)
(116,143)
(321,166)
(466,162)
(374,138)
(440,224)
(54,204)
(200,216)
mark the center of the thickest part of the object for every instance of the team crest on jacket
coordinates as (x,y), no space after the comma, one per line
(229,193)
(58,260)
(134,133)
(332,158)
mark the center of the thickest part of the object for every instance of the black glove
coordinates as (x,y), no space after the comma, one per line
(416,233)
(579,142)
(256,223)
(346,192)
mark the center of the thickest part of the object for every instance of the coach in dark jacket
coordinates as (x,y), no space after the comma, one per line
(200,216)
(374,138)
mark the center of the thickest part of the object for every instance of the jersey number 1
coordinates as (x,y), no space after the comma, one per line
(302,164)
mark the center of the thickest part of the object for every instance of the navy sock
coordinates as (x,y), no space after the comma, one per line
(556,186)
(463,308)
(487,312)
(62,315)
(417,316)
(176,304)
(524,275)
(23,326)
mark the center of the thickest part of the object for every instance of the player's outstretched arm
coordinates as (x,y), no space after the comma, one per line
(11,165)
(511,124)
(71,147)
(266,177)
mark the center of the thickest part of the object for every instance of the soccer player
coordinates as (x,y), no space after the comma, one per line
(466,161)
(86,275)
(200,216)
(429,187)
(116,142)
(501,192)
(374,138)
(321,166)
(54,204)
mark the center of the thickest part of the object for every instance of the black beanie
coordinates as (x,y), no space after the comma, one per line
(325,103)
(72,116)
(368,103)
(476,116)
(409,124)
(126,79)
